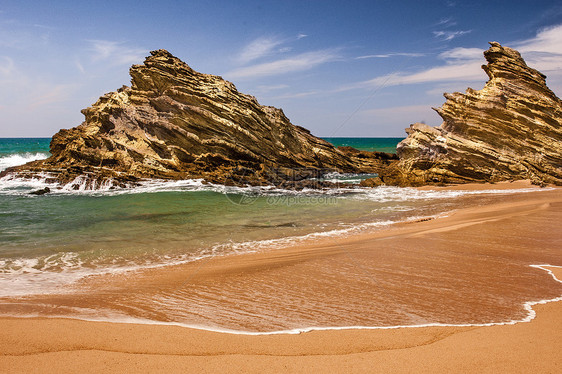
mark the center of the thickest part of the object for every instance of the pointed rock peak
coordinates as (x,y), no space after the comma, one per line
(498,53)
(161,53)
(162,56)
(160,62)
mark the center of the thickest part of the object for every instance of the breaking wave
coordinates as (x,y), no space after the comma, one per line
(17,159)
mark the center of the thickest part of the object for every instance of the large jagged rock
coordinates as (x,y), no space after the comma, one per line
(176,123)
(509,130)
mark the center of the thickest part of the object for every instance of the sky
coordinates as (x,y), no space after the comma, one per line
(338,68)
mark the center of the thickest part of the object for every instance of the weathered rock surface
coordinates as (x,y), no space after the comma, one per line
(509,130)
(176,123)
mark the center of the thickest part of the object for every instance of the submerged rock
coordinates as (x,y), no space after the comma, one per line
(176,123)
(509,130)
(41,191)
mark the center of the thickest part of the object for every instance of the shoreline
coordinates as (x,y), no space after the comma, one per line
(209,269)
(63,344)
(528,305)
(234,248)
(45,345)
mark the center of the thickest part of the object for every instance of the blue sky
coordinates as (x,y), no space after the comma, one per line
(338,68)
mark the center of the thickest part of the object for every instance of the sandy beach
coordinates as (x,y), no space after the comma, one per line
(453,268)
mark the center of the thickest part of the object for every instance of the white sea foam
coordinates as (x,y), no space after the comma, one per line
(17,159)
(11,185)
(398,194)
(528,306)
(55,273)
(52,274)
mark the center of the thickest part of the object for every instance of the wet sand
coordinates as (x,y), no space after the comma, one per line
(469,267)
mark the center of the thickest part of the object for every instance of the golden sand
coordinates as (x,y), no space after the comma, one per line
(472,243)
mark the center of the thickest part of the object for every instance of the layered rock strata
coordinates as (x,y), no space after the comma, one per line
(509,130)
(176,123)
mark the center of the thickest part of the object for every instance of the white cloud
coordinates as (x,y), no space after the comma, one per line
(265,47)
(469,71)
(299,62)
(450,35)
(257,49)
(544,52)
(446,22)
(391,54)
(298,95)
(79,66)
(462,54)
(548,40)
(117,52)
(268,88)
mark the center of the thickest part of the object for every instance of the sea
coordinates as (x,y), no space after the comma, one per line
(52,241)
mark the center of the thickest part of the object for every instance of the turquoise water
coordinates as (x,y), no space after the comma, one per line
(22,146)
(367,144)
(18,151)
(41,145)
(52,240)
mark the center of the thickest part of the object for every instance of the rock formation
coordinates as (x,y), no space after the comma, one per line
(176,123)
(509,130)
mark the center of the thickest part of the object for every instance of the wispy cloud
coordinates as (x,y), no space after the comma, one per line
(446,22)
(79,66)
(450,35)
(544,47)
(257,49)
(266,47)
(469,71)
(406,110)
(55,94)
(461,64)
(6,65)
(28,91)
(543,52)
(462,53)
(392,54)
(118,52)
(303,61)
(268,88)
(297,95)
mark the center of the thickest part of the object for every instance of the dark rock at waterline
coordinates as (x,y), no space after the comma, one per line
(371,182)
(42,191)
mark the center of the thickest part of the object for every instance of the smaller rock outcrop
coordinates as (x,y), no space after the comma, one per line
(509,130)
(41,191)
